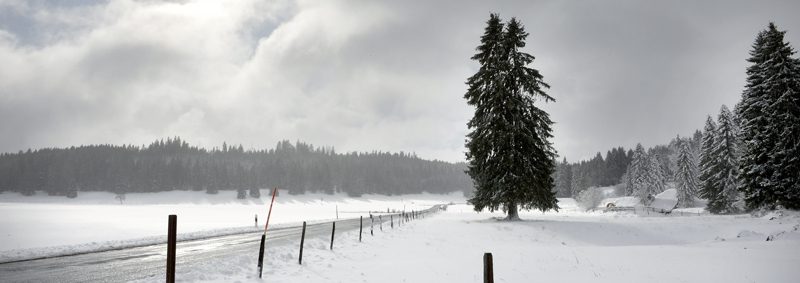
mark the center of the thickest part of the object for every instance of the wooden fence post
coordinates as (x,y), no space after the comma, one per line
(333,230)
(360,227)
(264,236)
(371,225)
(172,229)
(391,218)
(302,239)
(488,273)
(261,254)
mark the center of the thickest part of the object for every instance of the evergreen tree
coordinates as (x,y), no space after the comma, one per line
(616,164)
(725,164)
(636,170)
(686,176)
(510,156)
(655,180)
(770,115)
(580,180)
(255,193)
(564,179)
(708,186)
(645,178)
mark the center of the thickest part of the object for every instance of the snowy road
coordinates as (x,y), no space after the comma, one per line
(148,262)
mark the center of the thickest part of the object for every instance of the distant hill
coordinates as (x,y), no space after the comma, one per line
(173,164)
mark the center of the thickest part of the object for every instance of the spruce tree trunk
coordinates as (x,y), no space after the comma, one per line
(512,212)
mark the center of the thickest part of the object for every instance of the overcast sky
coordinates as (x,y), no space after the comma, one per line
(362,75)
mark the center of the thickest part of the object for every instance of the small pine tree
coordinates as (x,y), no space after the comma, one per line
(255,192)
(686,176)
(642,177)
(725,164)
(241,194)
(656,178)
(564,179)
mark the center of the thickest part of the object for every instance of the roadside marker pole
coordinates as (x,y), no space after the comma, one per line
(264,236)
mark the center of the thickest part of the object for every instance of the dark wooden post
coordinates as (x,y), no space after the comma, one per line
(264,236)
(302,239)
(488,273)
(391,218)
(371,226)
(261,255)
(172,229)
(360,227)
(333,231)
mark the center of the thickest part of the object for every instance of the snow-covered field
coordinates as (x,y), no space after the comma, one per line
(43,225)
(568,246)
(552,247)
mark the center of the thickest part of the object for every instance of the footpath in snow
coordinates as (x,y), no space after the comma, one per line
(569,246)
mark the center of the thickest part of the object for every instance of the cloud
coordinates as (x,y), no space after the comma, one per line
(359,75)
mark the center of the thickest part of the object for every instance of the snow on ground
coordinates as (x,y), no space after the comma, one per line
(568,246)
(44,225)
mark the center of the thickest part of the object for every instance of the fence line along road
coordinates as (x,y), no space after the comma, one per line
(148,262)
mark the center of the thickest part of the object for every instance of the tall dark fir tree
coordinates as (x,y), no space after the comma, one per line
(511,160)
(709,189)
(770,124)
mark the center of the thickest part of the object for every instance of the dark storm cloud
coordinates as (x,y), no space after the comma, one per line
(361,75)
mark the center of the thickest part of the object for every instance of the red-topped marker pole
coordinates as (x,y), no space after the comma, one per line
(264,236)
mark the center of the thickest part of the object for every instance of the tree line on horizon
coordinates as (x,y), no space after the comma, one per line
(173,164)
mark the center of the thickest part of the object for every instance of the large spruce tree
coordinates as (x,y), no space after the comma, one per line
(770,116)
(511,159)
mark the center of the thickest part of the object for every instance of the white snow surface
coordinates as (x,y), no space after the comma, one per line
(565,246)
(569,246)
(41,225)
